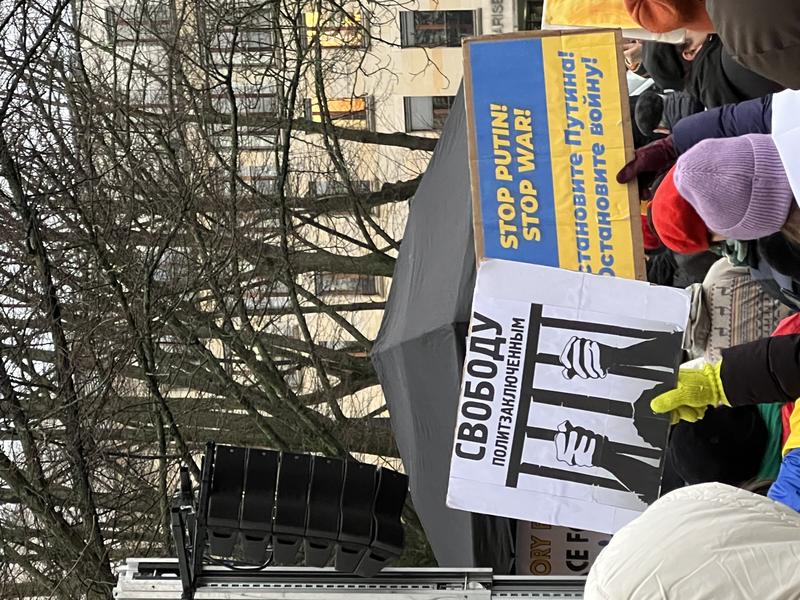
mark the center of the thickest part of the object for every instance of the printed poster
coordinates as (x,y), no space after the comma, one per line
(552,550)
(554,422)
(549,127)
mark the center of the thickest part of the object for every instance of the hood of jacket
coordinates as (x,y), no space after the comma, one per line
(702,542)
(769,43)
(715,78)
(679,105)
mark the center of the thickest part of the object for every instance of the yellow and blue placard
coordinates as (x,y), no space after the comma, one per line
(549,128)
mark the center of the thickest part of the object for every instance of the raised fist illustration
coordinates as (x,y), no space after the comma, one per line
(576,446)
(581,357)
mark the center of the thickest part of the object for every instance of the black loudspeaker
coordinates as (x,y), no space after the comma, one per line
(257,505)
(387,532)
(255,523)
(355,529)
(322,521)
(291,501)
(225,497)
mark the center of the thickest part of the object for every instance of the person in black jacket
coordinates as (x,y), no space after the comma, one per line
(702,67)
(760,372)
(656,113)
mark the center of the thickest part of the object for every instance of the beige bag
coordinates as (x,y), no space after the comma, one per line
(728,309)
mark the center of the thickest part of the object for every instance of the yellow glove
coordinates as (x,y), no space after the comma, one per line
(697,390)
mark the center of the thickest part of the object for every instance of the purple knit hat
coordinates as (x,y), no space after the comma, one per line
(737,185)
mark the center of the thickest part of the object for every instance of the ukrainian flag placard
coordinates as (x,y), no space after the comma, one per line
(549,127)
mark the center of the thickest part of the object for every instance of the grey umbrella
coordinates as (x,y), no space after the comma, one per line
(420,351)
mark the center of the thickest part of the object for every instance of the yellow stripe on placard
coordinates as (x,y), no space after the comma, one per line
(592,13)
(593,211)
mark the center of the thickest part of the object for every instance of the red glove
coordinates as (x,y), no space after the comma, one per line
(653,158)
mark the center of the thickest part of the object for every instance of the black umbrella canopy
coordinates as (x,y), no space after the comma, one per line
(419,352)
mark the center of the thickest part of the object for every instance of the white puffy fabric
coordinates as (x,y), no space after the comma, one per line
(703,542)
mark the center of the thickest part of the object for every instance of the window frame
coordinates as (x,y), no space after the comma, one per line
(365,285)
(409,28)
(409,113)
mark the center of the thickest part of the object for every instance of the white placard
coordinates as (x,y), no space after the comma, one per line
(554,421)
(786,134)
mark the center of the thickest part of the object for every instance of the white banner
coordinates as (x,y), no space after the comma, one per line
(554,421)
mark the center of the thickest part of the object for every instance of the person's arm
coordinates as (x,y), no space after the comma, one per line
(786,488)
(730,120)
(763,371)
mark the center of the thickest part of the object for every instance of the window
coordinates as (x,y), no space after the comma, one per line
(333,187)
(243,40)
(243,35)
(118,29)
(426,113)
(354,113)
(432,28)
(250,99)
(533,14)
(151,95)
(250,139)
(260,177)
(345,283)
(338,344)
(171,344)
(345,28)
(146,24)
(175,267)
(263,295)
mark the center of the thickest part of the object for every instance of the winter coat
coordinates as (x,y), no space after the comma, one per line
(679,105)
(730,120)
(663,62)
(716,79)
(766,370)
(703,542)
(762,36)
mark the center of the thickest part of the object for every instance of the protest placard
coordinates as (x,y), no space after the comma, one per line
(549,127)
(554,421)
(552,550)
(564,14)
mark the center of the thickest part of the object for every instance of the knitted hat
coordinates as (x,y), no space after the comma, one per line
(737,185)
(676,222)
(661,16)
(649,112)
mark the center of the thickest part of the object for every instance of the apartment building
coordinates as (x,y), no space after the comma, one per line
(389,67)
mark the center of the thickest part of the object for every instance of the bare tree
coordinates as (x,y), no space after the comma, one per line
(192,249)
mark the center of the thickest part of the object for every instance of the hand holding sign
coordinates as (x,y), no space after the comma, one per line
(575,445)
(581,357)
(653,158)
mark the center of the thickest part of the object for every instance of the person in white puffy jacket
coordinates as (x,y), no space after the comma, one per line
(703,542)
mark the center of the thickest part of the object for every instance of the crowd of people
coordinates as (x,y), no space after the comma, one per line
(715,166)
